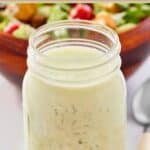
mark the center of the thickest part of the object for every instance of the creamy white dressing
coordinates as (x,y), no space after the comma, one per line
(62,116)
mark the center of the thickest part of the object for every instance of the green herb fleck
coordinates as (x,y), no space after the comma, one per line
(80,141)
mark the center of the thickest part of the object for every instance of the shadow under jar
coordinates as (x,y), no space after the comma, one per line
(74,92)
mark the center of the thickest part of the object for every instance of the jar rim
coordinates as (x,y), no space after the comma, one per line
(83,24)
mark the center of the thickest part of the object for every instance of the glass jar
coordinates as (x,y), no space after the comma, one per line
(74,92)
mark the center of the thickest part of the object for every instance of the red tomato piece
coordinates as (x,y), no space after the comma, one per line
(82,11)
(11,28)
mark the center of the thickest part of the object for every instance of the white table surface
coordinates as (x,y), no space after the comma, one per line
(11,121)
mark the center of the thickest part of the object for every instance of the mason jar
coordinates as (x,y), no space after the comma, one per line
(74,91)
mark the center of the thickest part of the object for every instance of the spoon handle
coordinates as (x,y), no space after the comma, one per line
(144,142)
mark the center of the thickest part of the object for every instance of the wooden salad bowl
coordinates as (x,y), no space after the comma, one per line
(135,48)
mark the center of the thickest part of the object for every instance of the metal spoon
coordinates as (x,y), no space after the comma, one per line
(141,111)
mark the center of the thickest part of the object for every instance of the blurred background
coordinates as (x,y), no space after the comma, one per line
(130,20)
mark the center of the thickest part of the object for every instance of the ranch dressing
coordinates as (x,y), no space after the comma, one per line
(88,116)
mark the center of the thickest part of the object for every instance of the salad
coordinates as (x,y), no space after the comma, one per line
(19,20)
